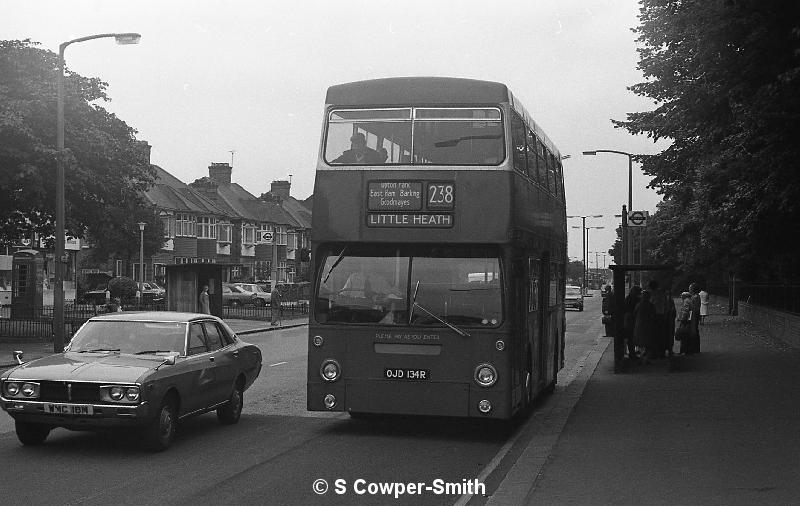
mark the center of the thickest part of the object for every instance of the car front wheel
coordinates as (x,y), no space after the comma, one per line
(159,434)
(31,434)
(230,412)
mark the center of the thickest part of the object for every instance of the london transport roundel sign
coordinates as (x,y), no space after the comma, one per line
(637,219)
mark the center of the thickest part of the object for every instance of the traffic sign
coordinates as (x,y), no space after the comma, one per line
(637,218)
(266,237)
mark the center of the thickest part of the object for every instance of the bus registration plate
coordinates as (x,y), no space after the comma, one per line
(407,374)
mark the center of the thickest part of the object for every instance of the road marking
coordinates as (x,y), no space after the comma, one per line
(279,363)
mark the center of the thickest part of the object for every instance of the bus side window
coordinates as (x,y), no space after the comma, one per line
(518,140)
(530,155)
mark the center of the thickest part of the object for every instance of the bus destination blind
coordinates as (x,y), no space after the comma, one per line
(410,204)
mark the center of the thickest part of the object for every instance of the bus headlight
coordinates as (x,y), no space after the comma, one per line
(330,401)
(484,406)
(330,370)
(485,375)
(500,345)
(317,340)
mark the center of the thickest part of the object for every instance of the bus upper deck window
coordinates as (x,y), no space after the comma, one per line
(367,136)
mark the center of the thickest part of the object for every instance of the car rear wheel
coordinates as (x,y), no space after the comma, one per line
(230,412)
(261,302)
(235,303)
(31,434)
(159,434)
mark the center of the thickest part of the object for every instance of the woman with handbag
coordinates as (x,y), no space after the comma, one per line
(682,332)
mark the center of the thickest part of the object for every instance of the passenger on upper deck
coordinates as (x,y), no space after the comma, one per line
(359,153)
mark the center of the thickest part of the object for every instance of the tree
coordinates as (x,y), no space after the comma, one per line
(725,76)
(105,164)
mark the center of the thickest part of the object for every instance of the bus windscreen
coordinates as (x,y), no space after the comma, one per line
(418,136)
(370,285)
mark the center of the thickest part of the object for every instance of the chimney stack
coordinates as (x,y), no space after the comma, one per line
(281,189)
(220,172)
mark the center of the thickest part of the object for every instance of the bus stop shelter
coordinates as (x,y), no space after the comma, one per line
(620,272)
(184,282)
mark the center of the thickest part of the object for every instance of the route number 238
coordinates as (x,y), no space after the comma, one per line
(441,195)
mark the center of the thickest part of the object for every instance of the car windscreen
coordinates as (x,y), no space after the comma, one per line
(129,337)
(410,286)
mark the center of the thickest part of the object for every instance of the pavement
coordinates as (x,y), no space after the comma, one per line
(720,427)
(34,348)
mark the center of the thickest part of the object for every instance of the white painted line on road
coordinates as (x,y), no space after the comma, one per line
(279,363)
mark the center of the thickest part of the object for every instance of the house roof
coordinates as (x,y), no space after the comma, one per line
(168,192)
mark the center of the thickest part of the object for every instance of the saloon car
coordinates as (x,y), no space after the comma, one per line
(232,295)
(263,297)
(573,298)
(141,371)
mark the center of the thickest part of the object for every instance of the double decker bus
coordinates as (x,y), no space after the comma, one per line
(438,252)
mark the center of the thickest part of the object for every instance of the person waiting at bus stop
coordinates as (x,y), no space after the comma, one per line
(275,304)
(629,318)
(359,153)
(647,333)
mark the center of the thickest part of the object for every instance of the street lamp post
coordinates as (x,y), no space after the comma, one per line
(583,238)
(141,259)
(627,246)
(587,241)
(60,255)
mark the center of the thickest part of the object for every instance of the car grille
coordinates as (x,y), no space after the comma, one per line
(58,391)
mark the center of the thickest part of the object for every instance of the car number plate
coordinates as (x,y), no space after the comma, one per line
(407,374)
(69,409)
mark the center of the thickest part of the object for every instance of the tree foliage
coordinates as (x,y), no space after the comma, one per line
(725,77)
(105,165)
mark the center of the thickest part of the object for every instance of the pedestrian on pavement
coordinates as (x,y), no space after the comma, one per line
(703,305)
(629,318)
(647,335)
(682,332)
(659,299)
(693,345)
(205,304)
(277,307)
(672,313)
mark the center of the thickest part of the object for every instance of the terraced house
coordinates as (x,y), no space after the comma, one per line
(214,220)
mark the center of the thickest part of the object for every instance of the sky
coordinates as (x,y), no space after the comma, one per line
(244,82)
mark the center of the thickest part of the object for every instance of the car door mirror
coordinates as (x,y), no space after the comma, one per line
(170,359)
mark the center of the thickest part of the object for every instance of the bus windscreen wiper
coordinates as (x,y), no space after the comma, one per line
(415,304)
(335,263)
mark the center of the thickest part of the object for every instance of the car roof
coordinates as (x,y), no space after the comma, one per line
(160,316)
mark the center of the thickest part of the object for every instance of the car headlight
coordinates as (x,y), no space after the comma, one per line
(11,388)
(485,375)
(330,370)
(123,394)
(116,393)
(21,389)
(132,394)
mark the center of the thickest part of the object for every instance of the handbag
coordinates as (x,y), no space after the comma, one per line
(682,331)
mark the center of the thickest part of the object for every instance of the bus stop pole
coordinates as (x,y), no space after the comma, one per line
(618,315)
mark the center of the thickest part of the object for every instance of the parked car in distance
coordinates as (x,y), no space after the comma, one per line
(151,291)
(142,371)
(574,298)
(263,297)
(232,295)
